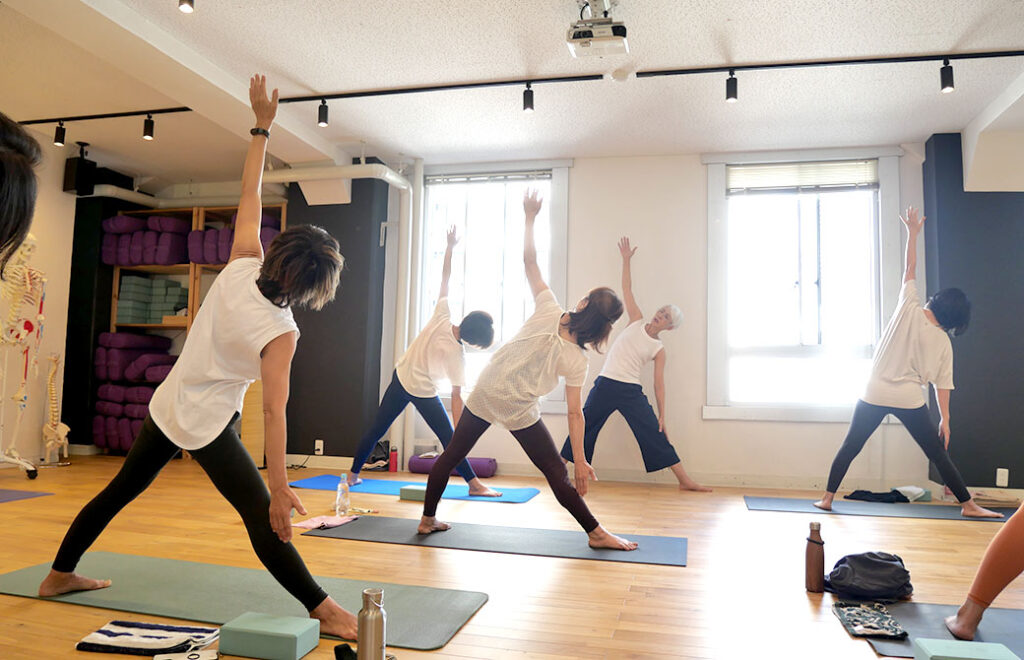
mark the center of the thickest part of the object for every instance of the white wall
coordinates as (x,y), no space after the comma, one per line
(53,227)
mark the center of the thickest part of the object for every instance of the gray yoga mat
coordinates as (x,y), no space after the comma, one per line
(421,618)
(14,495)
(858,508)
(925,620)
(665,550)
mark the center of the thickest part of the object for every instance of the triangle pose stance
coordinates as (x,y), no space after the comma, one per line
(434,355)
(914,350)
(243,331)
(550,345)
(618,386)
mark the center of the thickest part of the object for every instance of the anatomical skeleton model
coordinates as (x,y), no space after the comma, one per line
(24,290)
(55,432)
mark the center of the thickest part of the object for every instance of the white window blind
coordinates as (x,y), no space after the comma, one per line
(776,177)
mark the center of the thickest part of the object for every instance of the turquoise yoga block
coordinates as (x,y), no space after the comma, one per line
(268,637)
(955,649)
(417,493)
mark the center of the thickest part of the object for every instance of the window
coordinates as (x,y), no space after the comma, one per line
(487,264)
(796,281)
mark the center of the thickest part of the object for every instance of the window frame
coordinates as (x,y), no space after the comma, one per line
(888,264)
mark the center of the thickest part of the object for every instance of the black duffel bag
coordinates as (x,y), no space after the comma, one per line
(870,576)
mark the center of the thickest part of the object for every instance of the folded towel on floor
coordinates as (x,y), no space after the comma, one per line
(324,522)
(139,638)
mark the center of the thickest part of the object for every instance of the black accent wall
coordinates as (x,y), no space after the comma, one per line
(335,381)
(975,241)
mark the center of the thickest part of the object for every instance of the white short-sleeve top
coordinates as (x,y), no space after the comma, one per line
(220,359)
(912,352)
(526,368)
(630,353)
(434,355)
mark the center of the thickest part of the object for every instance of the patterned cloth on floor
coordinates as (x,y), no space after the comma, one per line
(139,638)
(868,620)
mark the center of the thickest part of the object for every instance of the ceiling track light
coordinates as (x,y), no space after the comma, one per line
(147,128)
(732,93)
(528,99)
(58,135)
(946,76)
(322,114)
(186,6)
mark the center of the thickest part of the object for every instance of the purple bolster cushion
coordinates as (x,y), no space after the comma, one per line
(210,252)
(124,224)
(136,410)
(135,248)
(484,467)
(158,374)
(124,243)
(109,408)
(224,241)
(124,433)
(172,225)
(195,246)
(110,426)
(131,340)
(137,369)
(140,394)
(265,221)
(136,427)
(118,359)
(99,431)
(110,392)
(149,240)
(109,249)
(267,236)
(101,363)
(171,249)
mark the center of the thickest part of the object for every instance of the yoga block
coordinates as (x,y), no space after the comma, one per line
(417,493)
(255,635)
(955,649)
(484,467)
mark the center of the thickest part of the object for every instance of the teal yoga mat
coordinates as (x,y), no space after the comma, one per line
(859,508)
(421,618)
(458,491)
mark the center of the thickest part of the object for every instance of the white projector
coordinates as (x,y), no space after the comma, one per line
(596,38)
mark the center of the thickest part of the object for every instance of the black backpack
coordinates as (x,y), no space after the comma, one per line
(870,576)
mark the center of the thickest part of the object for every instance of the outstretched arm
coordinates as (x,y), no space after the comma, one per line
(913,225)
(583,473)
(632,309)
(457,405)
(250,207)
(942,396)
(659,387)
(531,205)
(275,367)
(446,270)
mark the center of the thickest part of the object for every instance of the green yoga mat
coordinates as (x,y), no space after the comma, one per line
(421,618)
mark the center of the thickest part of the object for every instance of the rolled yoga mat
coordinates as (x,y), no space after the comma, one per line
(421,618)
(664,550)
(14,495)
(857,508)
(1000,625)
(387,487)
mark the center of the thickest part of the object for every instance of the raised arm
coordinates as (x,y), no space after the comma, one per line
(446,270)
(250,207)
(659,387)
(632,309)
(913,225)
(275,367)
(531,205)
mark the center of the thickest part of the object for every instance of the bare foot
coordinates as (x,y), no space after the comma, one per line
(429,524)
(970,509)
(353,479)
(965,622)
(57,583)
(602,538)
(695,487)
(825,503)
(477,489)
(335,620)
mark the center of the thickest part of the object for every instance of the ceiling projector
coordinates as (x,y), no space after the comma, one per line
(598,35)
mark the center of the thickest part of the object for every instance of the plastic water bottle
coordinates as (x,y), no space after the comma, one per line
(341,500)
(372,632)
(815,561)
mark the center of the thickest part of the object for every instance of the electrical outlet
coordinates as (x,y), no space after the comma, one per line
(318,447)
(1002,477)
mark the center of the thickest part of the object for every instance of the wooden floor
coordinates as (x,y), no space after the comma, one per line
(741,596)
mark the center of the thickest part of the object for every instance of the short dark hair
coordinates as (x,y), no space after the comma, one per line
(19,154)
(302,268)
(952,310)
(593,324)
(477,328)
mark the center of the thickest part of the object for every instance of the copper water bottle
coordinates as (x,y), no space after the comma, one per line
(815,563)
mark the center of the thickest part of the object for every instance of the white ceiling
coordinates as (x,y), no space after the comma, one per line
(325,46)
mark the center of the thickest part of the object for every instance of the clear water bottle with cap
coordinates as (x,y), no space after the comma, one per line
(341,498)
(815,562)
(372,635)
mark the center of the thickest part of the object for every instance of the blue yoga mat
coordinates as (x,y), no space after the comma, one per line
(386,487)
(14,495)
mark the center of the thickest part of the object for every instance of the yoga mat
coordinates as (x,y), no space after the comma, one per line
(386,487)
(420,618)
(858,508)
(1001,626)
(14,495)
(665,550)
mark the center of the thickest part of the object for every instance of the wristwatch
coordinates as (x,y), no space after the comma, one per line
(259,131)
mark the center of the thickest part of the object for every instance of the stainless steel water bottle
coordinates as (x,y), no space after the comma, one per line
(372,637)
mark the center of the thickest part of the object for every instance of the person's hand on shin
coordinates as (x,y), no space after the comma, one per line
(282,501)
(583,474)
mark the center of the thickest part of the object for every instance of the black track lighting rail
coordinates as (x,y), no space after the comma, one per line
(108,115)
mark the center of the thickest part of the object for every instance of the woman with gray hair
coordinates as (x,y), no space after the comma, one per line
(618,386)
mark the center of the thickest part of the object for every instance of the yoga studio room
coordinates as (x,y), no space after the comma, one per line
(541,329)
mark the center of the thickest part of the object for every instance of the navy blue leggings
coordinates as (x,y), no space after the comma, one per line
(606,397)
(867,417)
(391,406)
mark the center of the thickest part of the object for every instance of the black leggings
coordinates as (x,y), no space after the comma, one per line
(539,447)
(231,470)
(867,417)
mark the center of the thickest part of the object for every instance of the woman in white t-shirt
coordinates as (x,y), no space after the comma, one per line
(914,350)
(243,331)
(618,388)
(549,345)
